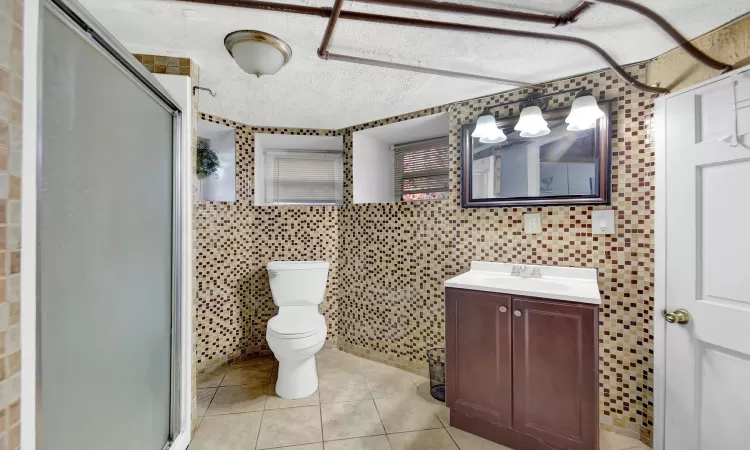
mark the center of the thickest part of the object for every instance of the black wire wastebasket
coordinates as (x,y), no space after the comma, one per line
(436,359)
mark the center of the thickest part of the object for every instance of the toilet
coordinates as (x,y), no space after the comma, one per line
(298,331)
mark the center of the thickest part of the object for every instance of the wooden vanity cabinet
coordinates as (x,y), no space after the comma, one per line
(522,371)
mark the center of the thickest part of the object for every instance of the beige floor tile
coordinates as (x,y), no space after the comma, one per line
(401,414)
(444,415)
(344,388)
(290,426)
(230,432)
(273,401)
(316,446)
(468,441)
(350,419)
(333,363)
(422,440)
(251,375)
(613,441)
(211,379)
(204,399)
(423,389)
(237,399)
(390,384)
(364,443)
(367,366)
(257,361)
(418,379)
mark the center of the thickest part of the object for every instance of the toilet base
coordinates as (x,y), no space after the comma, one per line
(298,378)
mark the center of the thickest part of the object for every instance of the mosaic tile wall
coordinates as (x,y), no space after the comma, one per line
(393,258)
(236,240)
(11,97)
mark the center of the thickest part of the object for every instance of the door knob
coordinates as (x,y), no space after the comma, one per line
(679,316)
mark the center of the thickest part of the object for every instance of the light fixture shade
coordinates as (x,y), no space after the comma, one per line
(577,127)
(494,138)
(486,126)
(584,113)
(531,123)
(531,134)
(256,52)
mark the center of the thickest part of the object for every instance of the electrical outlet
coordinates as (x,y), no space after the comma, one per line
(532,223)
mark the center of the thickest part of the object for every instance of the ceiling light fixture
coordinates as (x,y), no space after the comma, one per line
(256,52)
(487,130)
(584,113)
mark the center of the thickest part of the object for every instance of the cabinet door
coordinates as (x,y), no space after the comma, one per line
(555,372)
(478,351)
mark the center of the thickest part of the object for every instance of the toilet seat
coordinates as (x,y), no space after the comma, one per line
(295,325)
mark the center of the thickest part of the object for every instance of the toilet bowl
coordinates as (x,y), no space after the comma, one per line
(298,331)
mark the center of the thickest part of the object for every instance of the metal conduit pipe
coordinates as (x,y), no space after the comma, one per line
(459,8)
(377,18)
(335,13)
(689,48)
(446,73)
(392,20)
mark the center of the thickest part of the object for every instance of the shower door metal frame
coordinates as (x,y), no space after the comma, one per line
(83,23)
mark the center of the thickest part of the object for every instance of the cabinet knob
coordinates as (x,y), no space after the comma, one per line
(517,313)
(503,309)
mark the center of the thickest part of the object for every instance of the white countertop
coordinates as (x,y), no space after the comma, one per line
(570,284)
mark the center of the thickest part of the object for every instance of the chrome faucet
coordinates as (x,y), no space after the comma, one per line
(521,270)
(518,270)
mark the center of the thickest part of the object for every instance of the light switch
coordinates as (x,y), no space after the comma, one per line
(603,221)
(532,223)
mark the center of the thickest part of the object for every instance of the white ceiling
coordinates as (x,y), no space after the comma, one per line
(312,93)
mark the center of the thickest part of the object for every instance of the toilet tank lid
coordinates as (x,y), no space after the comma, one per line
(297,265)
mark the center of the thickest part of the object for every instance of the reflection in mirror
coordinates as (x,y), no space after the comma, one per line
(562,167)
(216,162)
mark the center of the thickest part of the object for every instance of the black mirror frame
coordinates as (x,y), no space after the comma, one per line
(603,141)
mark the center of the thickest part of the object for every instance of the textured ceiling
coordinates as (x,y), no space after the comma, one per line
(312,93)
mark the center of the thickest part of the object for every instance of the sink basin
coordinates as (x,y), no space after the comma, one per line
(560,283)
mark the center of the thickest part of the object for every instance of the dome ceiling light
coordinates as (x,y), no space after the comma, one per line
(256,52)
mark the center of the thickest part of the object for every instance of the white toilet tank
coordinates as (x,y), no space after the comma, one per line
(298,283)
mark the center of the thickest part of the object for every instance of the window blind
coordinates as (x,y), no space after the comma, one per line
(421,168)
(304,177)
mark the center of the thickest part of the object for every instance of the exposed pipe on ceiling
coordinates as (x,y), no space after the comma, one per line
(683,42)
(423,23)
(445,73)
(457,8)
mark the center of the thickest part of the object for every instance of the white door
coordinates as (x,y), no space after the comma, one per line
(707,236)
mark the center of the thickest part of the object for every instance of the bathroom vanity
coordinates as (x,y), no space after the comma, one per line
(522,355)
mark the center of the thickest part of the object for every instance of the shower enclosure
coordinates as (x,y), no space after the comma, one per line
(109,303)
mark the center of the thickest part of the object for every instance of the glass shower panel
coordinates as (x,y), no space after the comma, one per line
(105,256)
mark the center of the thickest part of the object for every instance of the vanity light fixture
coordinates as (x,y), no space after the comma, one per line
(487,130)
(256,52)
(584,113)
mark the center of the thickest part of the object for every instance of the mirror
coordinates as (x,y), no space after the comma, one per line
(216,170)
(562,168)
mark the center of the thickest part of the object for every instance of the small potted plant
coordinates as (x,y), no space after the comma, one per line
(208,160)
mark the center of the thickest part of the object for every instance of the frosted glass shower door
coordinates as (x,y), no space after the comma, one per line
(105,251)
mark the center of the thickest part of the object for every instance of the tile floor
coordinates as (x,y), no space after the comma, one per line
(360,405)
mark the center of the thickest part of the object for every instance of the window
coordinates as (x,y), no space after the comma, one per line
(421,170)
(304,177)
